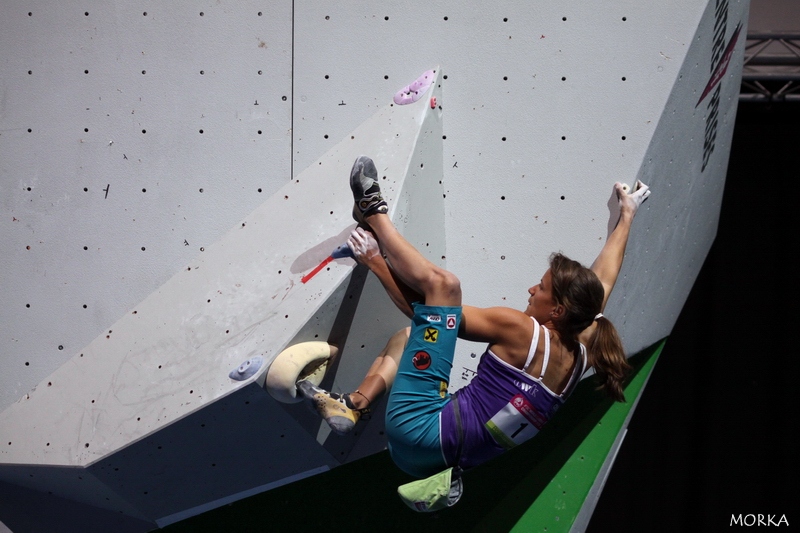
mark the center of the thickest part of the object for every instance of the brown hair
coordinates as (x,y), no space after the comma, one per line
(579,290)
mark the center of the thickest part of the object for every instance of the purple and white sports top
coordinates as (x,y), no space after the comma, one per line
(502,406)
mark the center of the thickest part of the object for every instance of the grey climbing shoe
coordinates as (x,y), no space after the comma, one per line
(366,191)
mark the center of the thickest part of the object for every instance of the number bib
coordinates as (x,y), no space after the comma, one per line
(516,422)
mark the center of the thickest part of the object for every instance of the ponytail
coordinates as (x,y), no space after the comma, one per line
(581,293)
(607,356)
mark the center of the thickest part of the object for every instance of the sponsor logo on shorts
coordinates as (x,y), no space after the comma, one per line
(421,360)
(435,318)
(431,335)
(451,321)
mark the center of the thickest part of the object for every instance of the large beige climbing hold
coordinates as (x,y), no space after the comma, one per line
(307,360)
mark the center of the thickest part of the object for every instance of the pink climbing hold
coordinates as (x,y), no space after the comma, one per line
(411,93)
(433,102)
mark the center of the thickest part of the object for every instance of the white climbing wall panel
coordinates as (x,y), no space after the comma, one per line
(130,140)
(134,135)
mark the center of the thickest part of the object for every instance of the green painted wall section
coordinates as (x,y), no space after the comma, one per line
(540,484)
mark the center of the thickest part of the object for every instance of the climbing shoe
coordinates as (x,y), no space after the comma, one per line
(366,191)
(337,409)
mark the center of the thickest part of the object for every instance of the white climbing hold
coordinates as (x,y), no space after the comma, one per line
(247,369)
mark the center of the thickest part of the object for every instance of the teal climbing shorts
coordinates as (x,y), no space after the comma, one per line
(420,390)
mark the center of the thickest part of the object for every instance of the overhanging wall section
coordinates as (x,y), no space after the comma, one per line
(687,160)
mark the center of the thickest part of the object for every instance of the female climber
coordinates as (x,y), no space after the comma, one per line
(533,360)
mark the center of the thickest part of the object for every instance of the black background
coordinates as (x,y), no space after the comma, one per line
(714,433)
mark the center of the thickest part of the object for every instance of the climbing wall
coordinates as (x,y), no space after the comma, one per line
(136,137)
